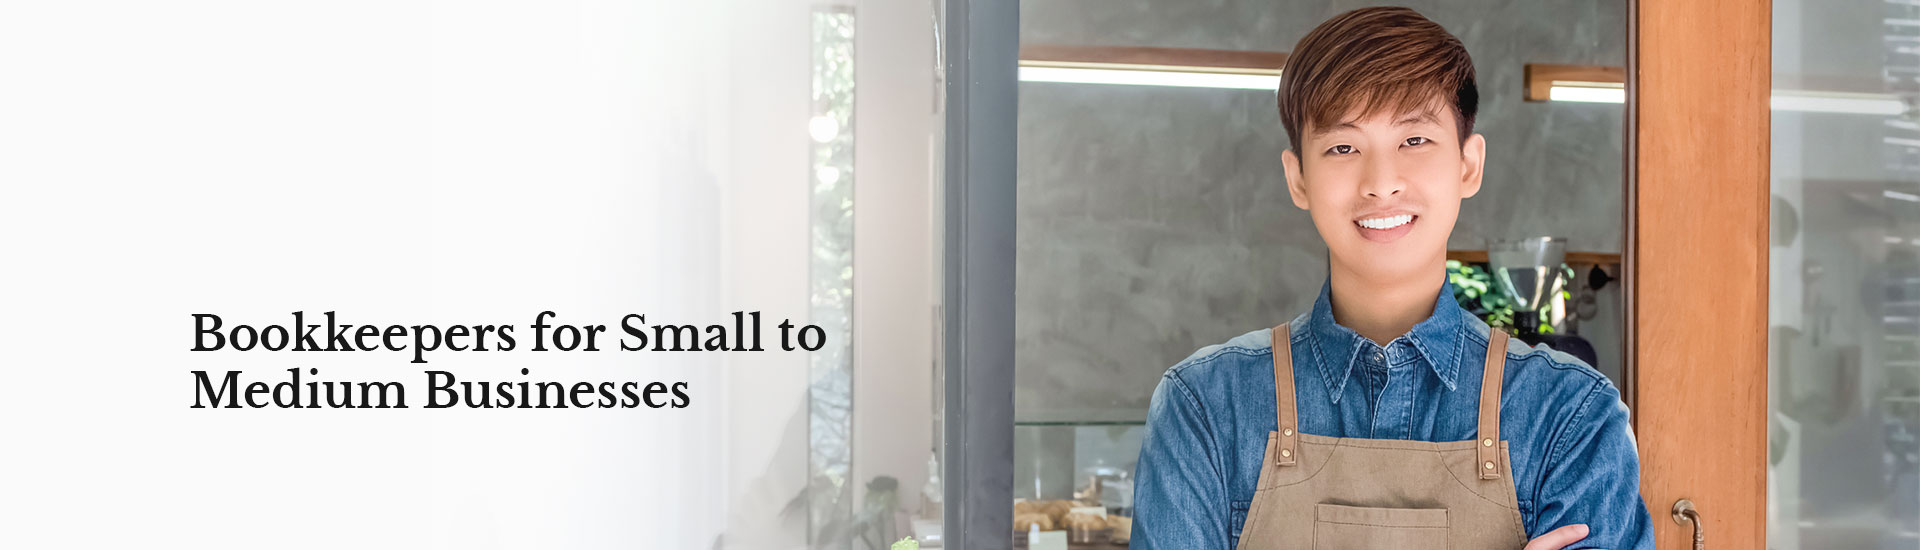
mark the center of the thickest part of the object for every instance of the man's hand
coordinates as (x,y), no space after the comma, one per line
(1559,538)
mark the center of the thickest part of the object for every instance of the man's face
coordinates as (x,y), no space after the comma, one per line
(1385,190)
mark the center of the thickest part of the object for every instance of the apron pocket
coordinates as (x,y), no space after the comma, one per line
(1337,527)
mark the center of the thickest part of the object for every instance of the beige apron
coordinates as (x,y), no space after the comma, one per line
(1345,493)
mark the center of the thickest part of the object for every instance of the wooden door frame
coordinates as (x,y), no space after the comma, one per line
(1698,154)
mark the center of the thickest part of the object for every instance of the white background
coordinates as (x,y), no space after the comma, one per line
(408,162)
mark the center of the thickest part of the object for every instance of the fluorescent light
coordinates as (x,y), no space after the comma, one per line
(1891,194)
(1575,90)
(1838,102)
(1586,94)
(1802,101)
(1135,77)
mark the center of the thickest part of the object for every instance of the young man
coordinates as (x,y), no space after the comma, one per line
(1381,419)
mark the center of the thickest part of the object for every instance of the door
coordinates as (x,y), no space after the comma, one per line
(1698,254)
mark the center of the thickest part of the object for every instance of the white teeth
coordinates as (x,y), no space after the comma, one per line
(1388,222)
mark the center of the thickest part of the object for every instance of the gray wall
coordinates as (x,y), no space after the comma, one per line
(1153,221)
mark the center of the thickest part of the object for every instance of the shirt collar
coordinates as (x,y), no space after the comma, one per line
(1336,348)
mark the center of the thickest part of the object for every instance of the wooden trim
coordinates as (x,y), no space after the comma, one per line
(1573,258)
(1630,216)
(1540,77)
(1698,246)
(1144,58)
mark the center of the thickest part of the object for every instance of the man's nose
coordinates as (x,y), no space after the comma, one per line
(1381,180)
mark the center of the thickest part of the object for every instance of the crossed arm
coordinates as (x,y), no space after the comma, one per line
(1592,478)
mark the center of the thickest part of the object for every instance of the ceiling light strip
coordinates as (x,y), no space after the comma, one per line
(1269,79)
(1132,77)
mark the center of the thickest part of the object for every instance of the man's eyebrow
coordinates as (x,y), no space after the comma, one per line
(1409,120)
(1417,118)
(1349,125)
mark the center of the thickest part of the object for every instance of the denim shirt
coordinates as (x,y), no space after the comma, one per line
(1572,449)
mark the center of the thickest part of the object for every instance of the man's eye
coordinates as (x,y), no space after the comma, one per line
(1417,141)
(1340,150)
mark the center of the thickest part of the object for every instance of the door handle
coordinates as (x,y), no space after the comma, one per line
(1684,513)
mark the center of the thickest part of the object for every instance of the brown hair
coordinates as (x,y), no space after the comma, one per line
(1372,60)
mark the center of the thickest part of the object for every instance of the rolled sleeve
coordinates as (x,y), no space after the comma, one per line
(1592,477)
(1180,491)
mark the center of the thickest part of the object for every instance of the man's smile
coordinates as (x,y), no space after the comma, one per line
(1385,228)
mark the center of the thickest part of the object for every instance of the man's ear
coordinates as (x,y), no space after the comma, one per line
(1473,157)
(1296,184)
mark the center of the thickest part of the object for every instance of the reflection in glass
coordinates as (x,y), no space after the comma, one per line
(1844,305)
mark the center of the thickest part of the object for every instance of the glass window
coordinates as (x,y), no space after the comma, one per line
(1844,304)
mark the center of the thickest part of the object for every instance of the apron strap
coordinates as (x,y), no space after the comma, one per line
(1283,398)
(1490,404)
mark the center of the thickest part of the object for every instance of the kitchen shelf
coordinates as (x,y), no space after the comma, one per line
(1573,258)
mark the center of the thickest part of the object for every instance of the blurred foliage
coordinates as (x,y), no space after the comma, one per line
(833,521)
